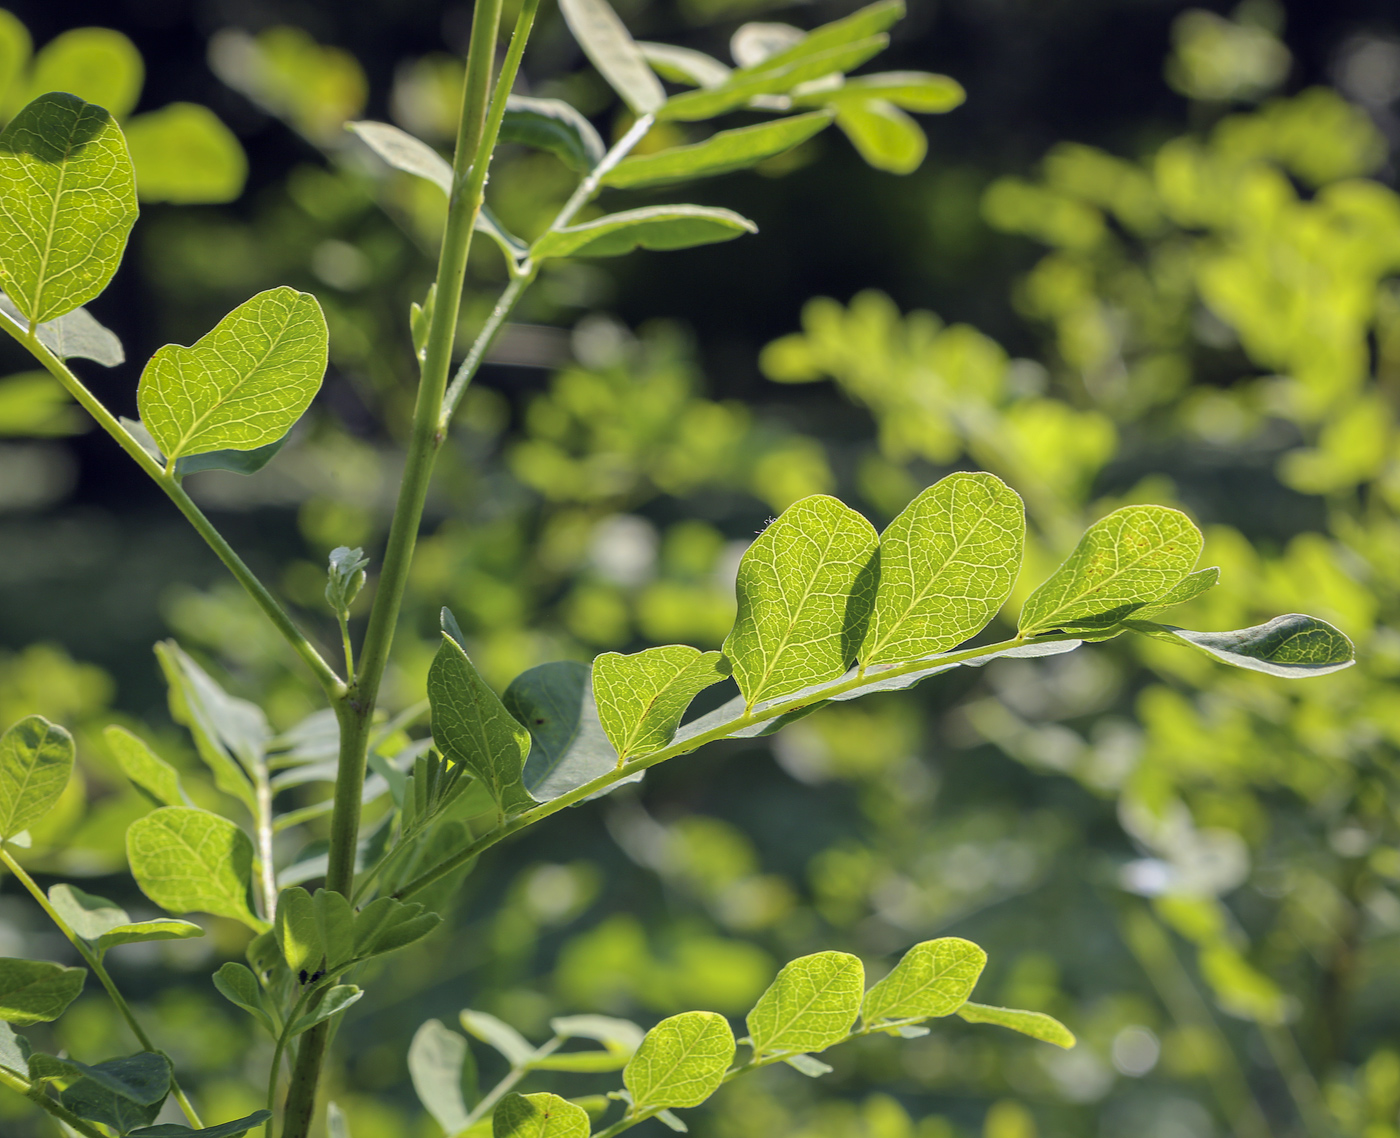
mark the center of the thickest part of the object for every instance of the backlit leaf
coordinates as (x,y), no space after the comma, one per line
(684,65)
(188,860)
(98,65)
(1130,558)
(1037,1025)
(500,1035)
(539,1116)
(606,41)
(681,1062)
(568,748)
(553,125)
(472,727)
(1188,588)
(35,991)
(811,1004)
(67,204)
(1293,646)
(651,227)
(298,934)
(243,384)
(141,932)
(867,21)
(719,154)
(932,979)
(87,915)
(755,42)
(436,1059)
(641,697)
(918,91)
(882,134)
(805,589)
(947,564)
(404,152)
(144,767)
(183,153)
(36,759)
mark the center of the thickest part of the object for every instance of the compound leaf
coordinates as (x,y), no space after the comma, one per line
(36,760)
(188,860)
(35,991)
(553,125)
(539,1116)
(651,227)
(1132,557)
(1292,646)
(620,1035)
(864,22)
(404,152)
(947,564)
(1037,1025)
(437,1059)
(67,205)
(641,697)
(14,1050)
(144,767)
(753,43)
(811,1004)
(121,1093)
(568,748)
(472,727)
(606,41)
(681,1062)
(387,924)
(335,926)
(235,1129)
(805,589)
(933,979)
(142,1078)
(918,91)
(719,154)
(241,385)
(87,915)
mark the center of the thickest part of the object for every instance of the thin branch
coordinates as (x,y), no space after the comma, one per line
(34,1092)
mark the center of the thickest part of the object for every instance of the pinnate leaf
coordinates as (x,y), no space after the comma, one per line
(36,760)
(681,1062)
(615,1034)
(805,590)
(651,227)
(539,1116)
(606,41)
(1293,646)
(14,1050)
(142,1078)
(188,860)
(933,979)
(67,205)
(918,91)
(1132,557)
(243,384)
(144,767)
(719,154)
(754,43)
(335,1001)
(404,152)
(234,1129)
(947,564)
(1037,1025)
(121,1093)
(809,1006)
(641,697)
(35,991)
(335,926)
(387,924)
(436,1060)
(568,748)
(553,125)
(472,727)
(864,22)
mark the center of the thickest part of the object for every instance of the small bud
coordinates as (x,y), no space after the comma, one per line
(345,578)
(420,317)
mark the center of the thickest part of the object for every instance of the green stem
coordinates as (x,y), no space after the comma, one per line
(324,673)
(643,762)
(1302,1086)
(94,961)
(282,1040)
(34,1092)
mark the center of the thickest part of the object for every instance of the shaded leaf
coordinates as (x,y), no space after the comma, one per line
(652,227)
(87,915)
(1188,588)
(238,461)
(404,152)
(719,154)
(681,1062)
(641,697)
(188,860)
(240,987)
(234,1129)
(387,924)
(142,1078)
(684,65)
(811,1004)
(122,1093)
(345,577)
(144,767)
(1037,1025)
(335,1001)
(568,748)
(553,125)
(812,1068)
(67,205)
(620,1035)
(538,1116)
(141,932)
(436,1061)
(606,41)
(335,925)
(74,335)
(36,760)
(35,991)
(932,979)
(1293,646)
(14,1050)
(500,1035)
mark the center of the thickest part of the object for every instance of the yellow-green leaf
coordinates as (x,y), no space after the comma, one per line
(98,65)
(652,227)
(188,860)
(35,991)
(681,1062)
(810,1005)
(932,979)
(183,153)
(1037,1025)
(538,1116)
(719,154)
(36,759)
(642,697)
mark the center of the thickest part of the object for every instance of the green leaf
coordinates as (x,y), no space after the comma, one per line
(684,65)
(813,1003)
(298,934)
(184,154)
(539,1116)
(812,1068)
(1133,556)
(35,991)
(681,1062)
(235,1129)
(121,1093)
(144,767)
(1037,1025)
(619,1035)
(404,152)
(67,205)
(188,860)
(1293,646)
(335,1001)
(867,21)
(947,564)
(642,697)
(243,384)
(223,727)
(335,925)
(581,1062)
(719,154)
(338,1126)
(754,43)
(141,1078)
(932,979)
(472,727)
(99,65)
(32,405)
(504,1038)
(14,1050)
(1188,588)
(918,91)
(436,1062)
(15,49)
(87,915)
(387,924)
(74,335)
(240,987)
(238,461)
(553,125)
(769,78)
(606,41)
(143,931)
(568,748)
(805,589)
(345,577)
(36,760)
(882,134)
(652,227)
